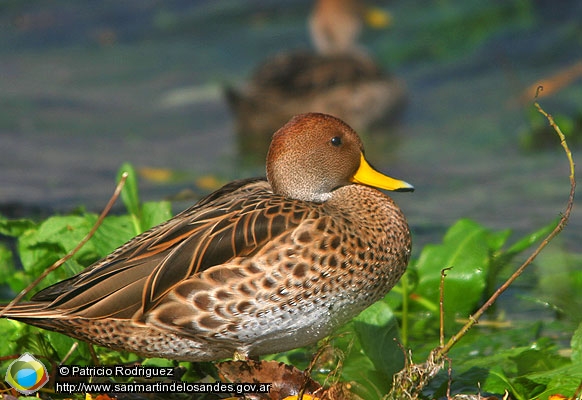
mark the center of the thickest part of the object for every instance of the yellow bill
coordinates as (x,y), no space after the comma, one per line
(366,175)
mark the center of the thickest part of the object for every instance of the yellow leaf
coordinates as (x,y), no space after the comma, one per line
(156,174)
(208,182)
(378,18)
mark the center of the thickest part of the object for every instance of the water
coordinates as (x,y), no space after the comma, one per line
(85,88)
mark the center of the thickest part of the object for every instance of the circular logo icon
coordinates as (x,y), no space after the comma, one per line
(27,374)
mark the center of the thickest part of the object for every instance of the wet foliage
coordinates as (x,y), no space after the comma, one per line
(529,345)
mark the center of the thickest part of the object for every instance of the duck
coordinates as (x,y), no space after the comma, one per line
(335,25)
(352,88)
(336,76)
(260,266)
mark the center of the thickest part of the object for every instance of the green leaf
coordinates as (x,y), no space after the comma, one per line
(113,232)
(158,362)
(62,345)
(533,360)
(560,281)
(498,382)
(15,227)
(377,330)
(7,269)
(576,344)
(528,240)
(524,371)
(11,330)
(496,240)
(465,248)
(54,238)
(358,367)
(130,196)
(154,213)
(502,258)
(129,193)
(563,380)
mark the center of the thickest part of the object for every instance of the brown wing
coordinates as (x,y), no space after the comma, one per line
(234,221)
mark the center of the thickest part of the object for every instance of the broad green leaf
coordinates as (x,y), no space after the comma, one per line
(528,240)
(498,382)
(112,233)
(559,281)
(62,344)
(53,239)
(496,240)
(299,357)
(358,367)
(532,360)
(466,382)
(524,371)
(465,249)
(576,344)
(154,213)
(367,383)
(18,281)
(65,230)
(563,380)
(7,269)
(33,340)
(502,258)
(11,330)
(377,330)
(36,257)
(526,388)
(15,227)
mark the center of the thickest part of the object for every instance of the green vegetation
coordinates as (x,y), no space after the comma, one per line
(536,135)
(527,355)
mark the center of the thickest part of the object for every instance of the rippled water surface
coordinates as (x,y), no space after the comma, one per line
(86,87)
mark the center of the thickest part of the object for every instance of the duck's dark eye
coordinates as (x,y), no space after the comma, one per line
(336,141)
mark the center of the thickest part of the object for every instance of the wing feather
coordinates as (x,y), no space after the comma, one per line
(235,221)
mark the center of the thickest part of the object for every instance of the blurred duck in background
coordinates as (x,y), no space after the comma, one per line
(335,26)
(340,78)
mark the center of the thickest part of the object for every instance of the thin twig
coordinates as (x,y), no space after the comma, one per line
(450,379)
(71,350)
(409,382)
(71,253)
(307,371)
(442,306)
(559,227)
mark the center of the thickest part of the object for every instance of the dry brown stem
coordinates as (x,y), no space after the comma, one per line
(71,253)
(409,382)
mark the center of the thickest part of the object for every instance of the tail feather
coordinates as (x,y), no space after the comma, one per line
(36,314)
(28,310)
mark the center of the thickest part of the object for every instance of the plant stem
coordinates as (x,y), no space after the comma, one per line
(71,253)
(405,294)
(559,227)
